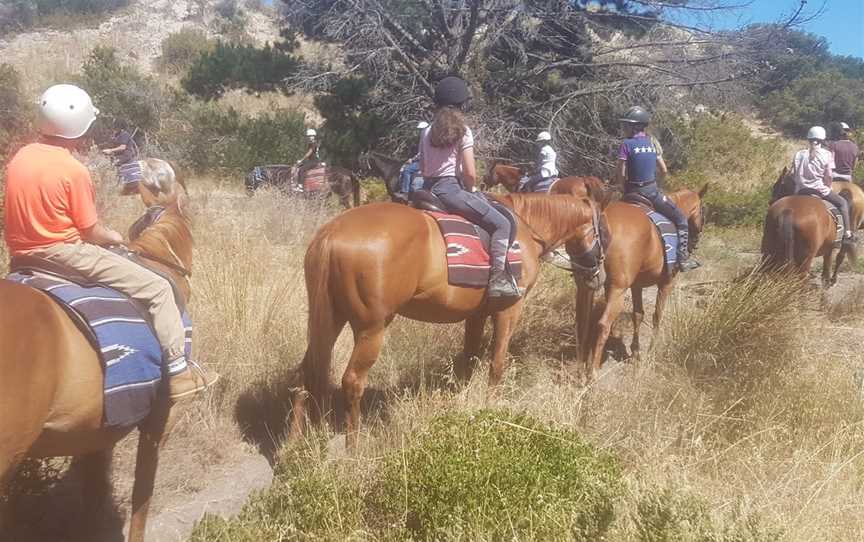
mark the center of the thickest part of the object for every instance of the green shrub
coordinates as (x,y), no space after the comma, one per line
(121,92)
(349,127)
(24,14)
(14,110)
(806,103)
(725,208)
(495,475)
(669,516)
(181,49)
(229,66)
(209,137)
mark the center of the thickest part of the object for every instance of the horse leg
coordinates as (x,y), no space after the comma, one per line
(465,365)
(663,291)
(367,346)
(503,324)
(638,316)
(614,304)
(152,435)
(827,262)
(96,490)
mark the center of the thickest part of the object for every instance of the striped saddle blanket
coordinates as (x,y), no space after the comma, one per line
(669,235)
(121,335)
(316,179)
(130,172)
(468,252)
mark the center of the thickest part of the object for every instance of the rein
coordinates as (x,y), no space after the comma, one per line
(171,265)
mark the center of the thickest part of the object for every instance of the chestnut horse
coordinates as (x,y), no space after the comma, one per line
(634,260)
(52,380)
(369,264)
(160,184)
(799,229)
(509,176)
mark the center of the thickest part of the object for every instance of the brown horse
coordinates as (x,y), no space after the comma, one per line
(581,187)
(634,260)
(369,264)
(160,184)
(339,182)
(799,229)
(51,389)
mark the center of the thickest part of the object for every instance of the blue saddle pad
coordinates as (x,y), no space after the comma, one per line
(669,236)
(130,354)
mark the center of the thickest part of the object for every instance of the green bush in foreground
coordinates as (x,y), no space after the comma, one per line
(493,475)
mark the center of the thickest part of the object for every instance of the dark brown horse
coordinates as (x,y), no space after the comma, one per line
(509,177)
(386,167)
(634,260)
(51,389)
(339,181)
(369,264)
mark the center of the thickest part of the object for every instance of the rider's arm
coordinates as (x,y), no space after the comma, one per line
(621,172)
(661,167)
(469,168)
(115,150)
(98,234)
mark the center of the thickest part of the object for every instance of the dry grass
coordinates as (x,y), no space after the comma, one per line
(789,451)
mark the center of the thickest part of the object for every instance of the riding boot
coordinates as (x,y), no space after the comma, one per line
(191,381)
(685,263)
(501,284)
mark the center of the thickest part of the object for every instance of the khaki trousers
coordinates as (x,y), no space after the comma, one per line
(140,284)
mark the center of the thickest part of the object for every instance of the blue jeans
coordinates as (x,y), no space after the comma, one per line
(476,209)
(406,176)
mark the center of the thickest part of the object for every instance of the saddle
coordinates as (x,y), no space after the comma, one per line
(425,200)
(636,198)
(832,209)
(665,228)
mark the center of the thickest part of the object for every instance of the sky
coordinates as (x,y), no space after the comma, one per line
(841,23)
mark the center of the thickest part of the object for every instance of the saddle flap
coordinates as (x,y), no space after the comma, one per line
(426,200)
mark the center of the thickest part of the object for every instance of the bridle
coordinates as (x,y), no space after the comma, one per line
(589,272)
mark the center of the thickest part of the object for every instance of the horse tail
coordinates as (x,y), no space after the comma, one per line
(321,331)
(355,189)
(787,236)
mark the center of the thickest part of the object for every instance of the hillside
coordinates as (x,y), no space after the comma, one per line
(136,32)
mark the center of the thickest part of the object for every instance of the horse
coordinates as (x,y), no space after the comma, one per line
(45,412)
(799,229)
(388,168)
(339,181)
(159,185)
(634,260)
(509,177)
(369,264)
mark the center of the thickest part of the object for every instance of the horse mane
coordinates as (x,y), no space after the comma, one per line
(556,217)
(170,236)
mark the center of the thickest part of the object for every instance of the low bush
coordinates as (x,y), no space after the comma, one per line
(725,208)
(15,111)
(181,49)
(24,14)
(493,475)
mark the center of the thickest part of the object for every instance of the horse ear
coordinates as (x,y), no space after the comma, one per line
(703,191)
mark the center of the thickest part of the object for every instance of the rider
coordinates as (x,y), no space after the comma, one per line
(449,171)
(310,159)
(845,154)
(412,166)
(546,169)
(124,152)
(50,213)
(813,168)
(638,162)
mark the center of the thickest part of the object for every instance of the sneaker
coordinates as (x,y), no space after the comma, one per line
(501,285)
(193,380)
(688,264)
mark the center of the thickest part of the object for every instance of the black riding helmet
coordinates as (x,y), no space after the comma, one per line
(451,90)
(636,115)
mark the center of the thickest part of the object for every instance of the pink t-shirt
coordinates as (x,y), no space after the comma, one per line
(442,162)
(810,171)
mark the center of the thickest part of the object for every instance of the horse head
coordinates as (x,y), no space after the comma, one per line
(506,175)
(163,237)
(785,185)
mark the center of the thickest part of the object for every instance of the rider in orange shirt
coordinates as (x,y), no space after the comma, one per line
(50,213)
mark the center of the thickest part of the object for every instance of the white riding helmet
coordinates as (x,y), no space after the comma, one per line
(544,136)
(844,126)
(65,111)
(816,132)
(311,133)
(422,125)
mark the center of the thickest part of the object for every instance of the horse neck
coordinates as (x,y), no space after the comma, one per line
(168,240)
(386,166)
(508,177)
(685,200)
(556,219)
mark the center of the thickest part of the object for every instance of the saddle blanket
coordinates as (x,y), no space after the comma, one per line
(668,235)
(130,354)
(467,252)
(130,172)
(838,219)
(316,179)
